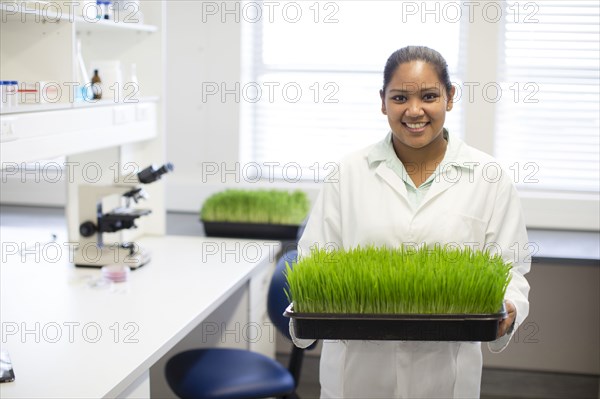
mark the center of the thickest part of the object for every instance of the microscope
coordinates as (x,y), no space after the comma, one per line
(93,249)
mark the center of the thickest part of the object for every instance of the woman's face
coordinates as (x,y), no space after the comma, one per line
(415,102)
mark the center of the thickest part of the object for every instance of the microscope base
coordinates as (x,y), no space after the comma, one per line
(94,256)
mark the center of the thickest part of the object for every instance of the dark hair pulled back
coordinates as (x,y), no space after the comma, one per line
(417,53)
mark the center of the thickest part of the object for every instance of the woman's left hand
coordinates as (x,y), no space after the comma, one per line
(507,323)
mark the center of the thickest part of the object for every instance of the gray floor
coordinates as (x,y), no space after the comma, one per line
(495,383)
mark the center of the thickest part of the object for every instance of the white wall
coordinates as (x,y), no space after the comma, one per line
(199,132)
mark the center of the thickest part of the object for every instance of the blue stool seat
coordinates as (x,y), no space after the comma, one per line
(227,374)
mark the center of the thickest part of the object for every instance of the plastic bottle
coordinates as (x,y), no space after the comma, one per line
(3,94)
(100,9)
(8,93)
(105,9)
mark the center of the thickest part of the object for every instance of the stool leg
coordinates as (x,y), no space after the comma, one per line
(295,364)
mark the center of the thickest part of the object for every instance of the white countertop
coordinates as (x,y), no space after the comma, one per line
(68,337)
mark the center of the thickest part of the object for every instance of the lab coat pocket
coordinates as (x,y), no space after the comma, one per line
(460,229)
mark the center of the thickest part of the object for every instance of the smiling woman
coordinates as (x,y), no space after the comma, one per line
(418,186)
(416,95)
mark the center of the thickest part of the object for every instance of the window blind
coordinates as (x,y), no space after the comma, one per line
(548,123)
(325,72)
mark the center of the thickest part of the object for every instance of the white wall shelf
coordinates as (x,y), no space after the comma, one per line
(26,108)
(30,108)
(39,43)
(105,103)
(47,135)
(100,26)
(43,12)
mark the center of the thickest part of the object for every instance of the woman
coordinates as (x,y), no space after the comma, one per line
(418,186)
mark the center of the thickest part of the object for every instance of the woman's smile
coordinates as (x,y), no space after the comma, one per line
(415,127)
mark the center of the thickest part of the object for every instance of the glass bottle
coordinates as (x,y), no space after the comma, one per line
(96,85)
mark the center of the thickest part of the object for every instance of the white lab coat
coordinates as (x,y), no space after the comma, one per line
(468,204)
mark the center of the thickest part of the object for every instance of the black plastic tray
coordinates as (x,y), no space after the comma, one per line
(396,327)
(251,230)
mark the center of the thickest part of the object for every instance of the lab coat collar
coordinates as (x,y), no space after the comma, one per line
(380,157)
(392,178)
(457,157)
(380,151)
(457,160)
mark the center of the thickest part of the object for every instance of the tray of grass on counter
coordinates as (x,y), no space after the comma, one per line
(405,294)
(258,214)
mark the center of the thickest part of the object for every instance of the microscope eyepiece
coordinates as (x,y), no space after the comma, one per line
(152,173)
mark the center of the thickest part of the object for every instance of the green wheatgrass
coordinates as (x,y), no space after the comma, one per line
(405,280)
(256,206)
